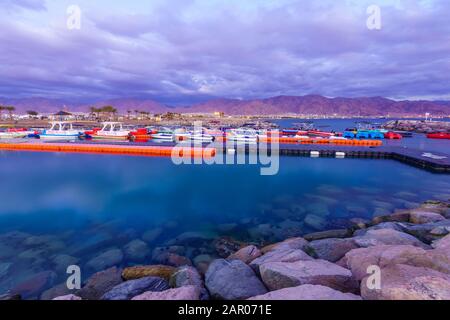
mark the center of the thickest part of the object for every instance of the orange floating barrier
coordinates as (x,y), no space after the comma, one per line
(109,149)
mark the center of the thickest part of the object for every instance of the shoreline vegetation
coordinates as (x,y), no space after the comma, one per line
(411,248)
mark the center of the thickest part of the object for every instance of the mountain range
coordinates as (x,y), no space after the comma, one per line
(309,104)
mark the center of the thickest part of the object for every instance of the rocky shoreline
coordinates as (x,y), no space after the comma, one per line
(419,126)
(410,247)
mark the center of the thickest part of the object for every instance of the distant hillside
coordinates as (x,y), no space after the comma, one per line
(310,104)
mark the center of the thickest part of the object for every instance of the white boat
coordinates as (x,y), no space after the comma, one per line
(60,130)
(163,134)
(200,135)
(111,130)
(15,134)
(243,135)
(181,134)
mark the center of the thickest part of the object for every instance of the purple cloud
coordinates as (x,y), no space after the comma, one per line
(185,51)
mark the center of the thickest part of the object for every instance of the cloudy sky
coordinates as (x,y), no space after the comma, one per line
(185,51)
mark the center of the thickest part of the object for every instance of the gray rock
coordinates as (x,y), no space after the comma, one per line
(280,254)
(332,249)
(292,243)
(62,261)
(100,283)
(423,231)
(404,282)
(421,217)
(189,276)
(232,280)
(56,291)
(34,285)
(136,250)
(279,275)
(316,222)
(338,233)
(246,254)
(132,288)
(307,292)
(188,293)
(391,237)
(384,225)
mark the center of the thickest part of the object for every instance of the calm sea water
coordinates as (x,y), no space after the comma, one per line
(60,209)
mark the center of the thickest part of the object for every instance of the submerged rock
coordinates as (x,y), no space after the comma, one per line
(337,233)
(192,239)
(105,260)
(100,283)
(202,262)
(225,246)
(56,291)
(136,250)
(62,261)
(5,268)
(152,235)
(315,222)
(132,288)
(307,292)
(232,280)
(33,286)
(279,275)
(188,293)
(138,272)
(404,282)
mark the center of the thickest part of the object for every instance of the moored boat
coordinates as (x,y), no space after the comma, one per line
(60,130)
(439,135)
(110,130)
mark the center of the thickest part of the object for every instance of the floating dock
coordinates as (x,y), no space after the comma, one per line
(433,161)
(120,149)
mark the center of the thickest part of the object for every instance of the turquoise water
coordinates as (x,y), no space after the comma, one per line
(59,205)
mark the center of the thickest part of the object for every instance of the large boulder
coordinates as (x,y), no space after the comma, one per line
(281,254)
(421,217)
(383,225)
(424,231)
(137,272)
(100,283)
(188,293)
(359,260)
(232,280)
(189,276)
(132,288)
(332,249)
(442,244)
(292,243)
(307,292)
(246,254)
(388,237)
(279,275)
(404,282)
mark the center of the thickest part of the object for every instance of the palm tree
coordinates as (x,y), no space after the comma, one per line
(32,113)
(129,113)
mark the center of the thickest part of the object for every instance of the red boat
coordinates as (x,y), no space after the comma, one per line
(439,135)
(392,135)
